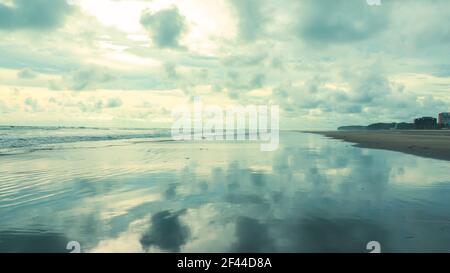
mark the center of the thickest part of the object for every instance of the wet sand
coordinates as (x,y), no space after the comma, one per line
(312,195)
(432,144)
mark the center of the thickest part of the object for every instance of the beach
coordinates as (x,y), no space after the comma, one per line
(115,190)
(425,143)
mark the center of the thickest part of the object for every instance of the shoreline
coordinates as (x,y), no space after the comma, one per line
(424,143)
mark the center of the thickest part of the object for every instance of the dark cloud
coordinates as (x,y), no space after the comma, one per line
(251,18)
(33,15)
(165,27)
(340,21)
(423,35)
(239,81)
(371,87)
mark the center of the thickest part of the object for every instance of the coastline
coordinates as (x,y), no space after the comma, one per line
(425,143)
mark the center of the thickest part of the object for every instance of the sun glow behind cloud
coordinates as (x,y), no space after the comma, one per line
(123,15)
(207,21)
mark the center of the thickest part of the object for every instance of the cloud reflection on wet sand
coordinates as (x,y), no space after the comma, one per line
(313,195)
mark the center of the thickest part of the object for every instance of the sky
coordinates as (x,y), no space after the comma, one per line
(129,63)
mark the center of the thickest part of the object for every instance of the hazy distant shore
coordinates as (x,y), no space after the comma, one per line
(432,144)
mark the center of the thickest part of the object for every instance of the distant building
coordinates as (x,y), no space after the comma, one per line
(425,123)
(444,120)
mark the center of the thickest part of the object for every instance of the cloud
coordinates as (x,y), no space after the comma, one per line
(370,87)
(32,103)
(27,73)
(251,18)
(90,106)
(340,21)
(171,71)
(243,60)
(33,15)
(90,77)
(114,103)
(95,105)
(368,94)
(257,81)
(166,27)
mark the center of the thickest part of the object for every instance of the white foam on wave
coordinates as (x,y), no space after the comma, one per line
(16,140)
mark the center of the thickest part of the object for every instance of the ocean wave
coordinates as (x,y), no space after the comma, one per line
(15,140)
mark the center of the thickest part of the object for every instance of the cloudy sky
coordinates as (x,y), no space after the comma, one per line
(128,63)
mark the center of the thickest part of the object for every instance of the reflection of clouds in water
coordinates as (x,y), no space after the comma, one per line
(234,176)
(325,198)
(203,229)
(318,197)
(251,236)
(212,229)
(36,241)
(304,183)
(171,191)
(125,242)
(331,235)
(258,179)
(324,174)
(234,198)
(166,232)
(311,195)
